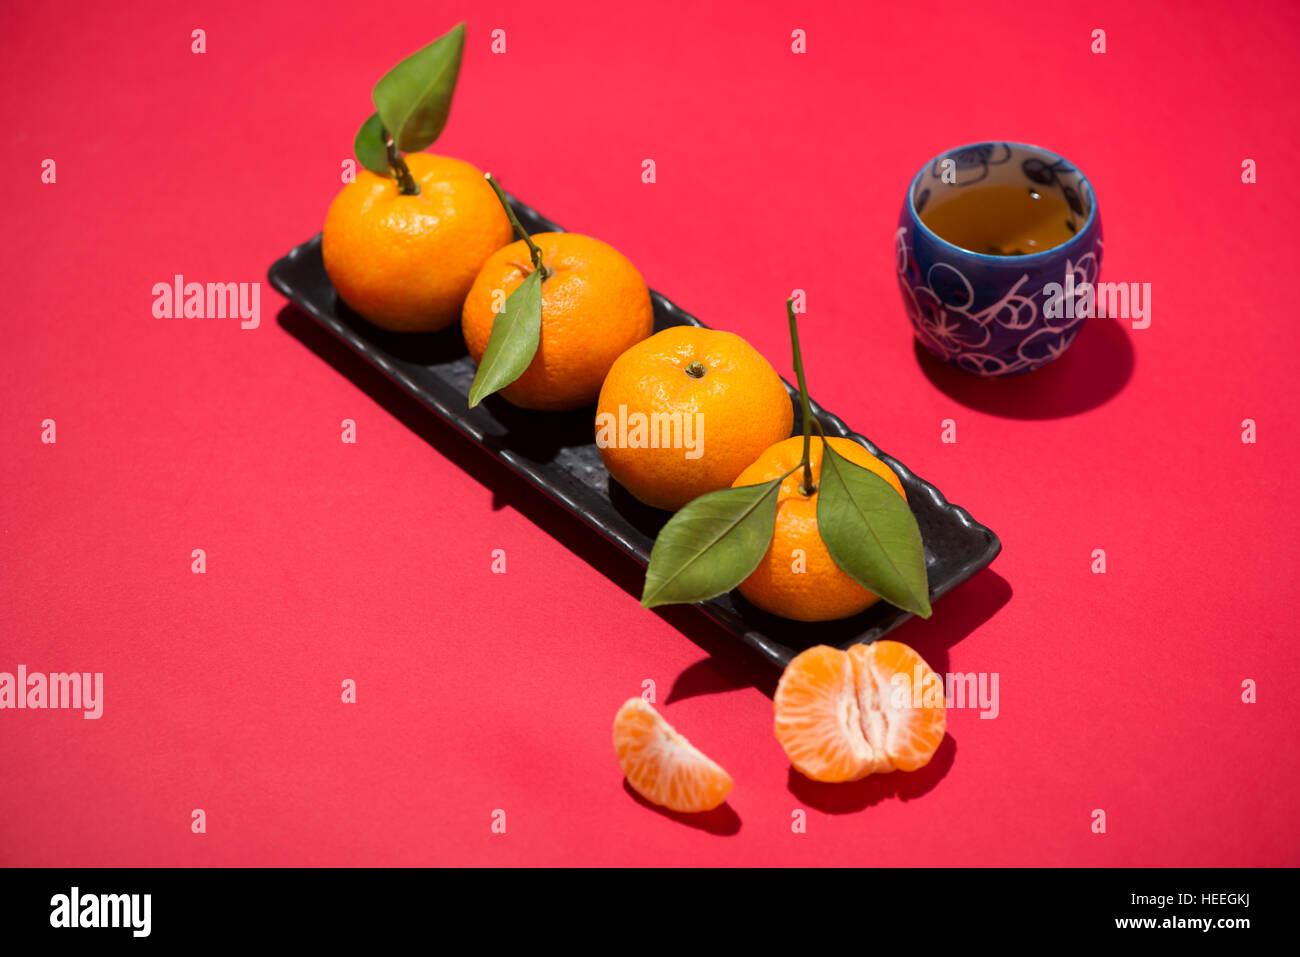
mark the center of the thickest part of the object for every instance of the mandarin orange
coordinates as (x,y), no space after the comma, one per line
(594,306)
(797,577)
(685,411)
(406,262)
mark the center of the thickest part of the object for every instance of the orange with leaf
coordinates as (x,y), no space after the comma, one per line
(547,317)
(403,243)
(798,577)
(809,531)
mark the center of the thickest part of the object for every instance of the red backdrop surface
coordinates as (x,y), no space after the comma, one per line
(478,692)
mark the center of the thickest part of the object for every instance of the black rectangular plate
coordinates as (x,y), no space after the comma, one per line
(557,453)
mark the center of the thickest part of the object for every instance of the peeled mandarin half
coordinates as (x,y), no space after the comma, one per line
(662,766)
(841,716)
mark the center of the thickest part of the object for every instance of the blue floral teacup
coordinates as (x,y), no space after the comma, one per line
(993,315)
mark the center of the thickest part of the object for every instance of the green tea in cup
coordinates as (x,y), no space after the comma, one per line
(1001,219)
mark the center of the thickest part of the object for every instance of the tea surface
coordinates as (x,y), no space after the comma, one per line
(1001,220)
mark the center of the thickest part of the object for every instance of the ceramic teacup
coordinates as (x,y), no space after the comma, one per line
(990,314)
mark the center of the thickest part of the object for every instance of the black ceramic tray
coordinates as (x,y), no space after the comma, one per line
(557,453)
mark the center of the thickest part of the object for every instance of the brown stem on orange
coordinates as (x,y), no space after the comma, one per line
(405,181)
(807,487)
(533,251)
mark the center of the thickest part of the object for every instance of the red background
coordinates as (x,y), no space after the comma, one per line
(371,561)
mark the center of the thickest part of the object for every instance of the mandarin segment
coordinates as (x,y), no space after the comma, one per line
(910,699)
(818,721)
(797,577)
(712,381)
(595,305)
(662,766)
(841,716)
(406,263)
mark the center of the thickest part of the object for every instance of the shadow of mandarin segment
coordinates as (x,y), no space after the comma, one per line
(849,797)
(722,820)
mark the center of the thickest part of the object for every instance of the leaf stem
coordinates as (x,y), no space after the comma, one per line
(405,181)
(533,251)
(807,486)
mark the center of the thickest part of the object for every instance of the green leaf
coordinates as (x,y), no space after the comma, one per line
(711,545)
(370,146)
(414,97)
(516,331)
(871,533)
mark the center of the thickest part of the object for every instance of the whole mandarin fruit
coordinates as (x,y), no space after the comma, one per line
(594,306)
(713,382)
(406,262)
(822,591)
